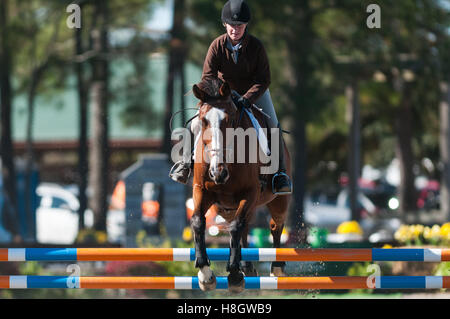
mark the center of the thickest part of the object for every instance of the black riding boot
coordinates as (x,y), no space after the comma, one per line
(281,183)
(180,172)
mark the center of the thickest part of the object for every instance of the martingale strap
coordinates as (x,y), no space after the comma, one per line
(262,138)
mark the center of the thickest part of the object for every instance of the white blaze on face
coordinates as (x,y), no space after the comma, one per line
(215,117)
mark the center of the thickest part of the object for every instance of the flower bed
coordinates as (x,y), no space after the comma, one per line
(412,236)
(419,235)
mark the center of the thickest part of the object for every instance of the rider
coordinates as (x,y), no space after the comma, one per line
(240,59)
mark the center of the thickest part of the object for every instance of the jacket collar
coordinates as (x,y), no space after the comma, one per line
(244,40)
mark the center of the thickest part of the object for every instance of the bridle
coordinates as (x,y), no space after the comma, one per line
(216,151)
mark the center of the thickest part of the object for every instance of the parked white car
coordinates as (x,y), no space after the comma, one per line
(330,214)
(57,215)
(323,214)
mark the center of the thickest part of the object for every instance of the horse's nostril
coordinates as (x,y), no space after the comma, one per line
(222,177)
(219,176)
(224,174)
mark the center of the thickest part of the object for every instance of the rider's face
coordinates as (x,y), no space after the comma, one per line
(235,32)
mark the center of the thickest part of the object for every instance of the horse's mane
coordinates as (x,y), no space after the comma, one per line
(212,86)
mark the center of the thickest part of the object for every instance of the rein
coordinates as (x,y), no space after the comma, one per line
(179,111)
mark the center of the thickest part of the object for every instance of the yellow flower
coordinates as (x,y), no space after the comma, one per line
(436,230)
(445,230)
(417,230)
(101,237)
(386,246)
(187,234)
(351,227)
(403,233)
(427,233)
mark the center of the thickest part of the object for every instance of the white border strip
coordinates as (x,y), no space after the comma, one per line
(18,282)
(183,283)
(432,254)
(433,282)
(181,254)
(267,254)
(16,254)
(268,283)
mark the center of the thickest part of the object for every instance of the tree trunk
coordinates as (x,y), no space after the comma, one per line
(167,141)
(6,146)
(29,154)
(82,137)
(354,160)
(301,99)
(296,217)
(175,67)
(444,144)
(37,74)
(404,152)
(99,156)
(182,77)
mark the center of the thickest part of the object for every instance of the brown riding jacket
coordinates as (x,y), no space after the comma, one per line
(250,76)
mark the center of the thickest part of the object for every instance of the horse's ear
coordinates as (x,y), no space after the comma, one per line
(225,90)
(199,94)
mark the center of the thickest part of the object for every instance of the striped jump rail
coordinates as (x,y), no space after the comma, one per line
(189,283)
(222,254)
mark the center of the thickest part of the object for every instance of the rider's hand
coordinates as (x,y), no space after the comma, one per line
(244,103)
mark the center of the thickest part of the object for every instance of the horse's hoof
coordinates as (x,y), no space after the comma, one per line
(207,283)
(236,282)
(277,272)
(208,286)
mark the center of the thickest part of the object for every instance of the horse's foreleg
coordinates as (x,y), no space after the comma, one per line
(237,226)
(207,279)
(277,267)
(236,277)
(247,266)
(278,210)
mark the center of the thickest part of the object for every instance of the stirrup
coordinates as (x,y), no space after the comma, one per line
(273,184)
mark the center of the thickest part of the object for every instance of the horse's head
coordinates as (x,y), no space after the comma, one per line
(217,113)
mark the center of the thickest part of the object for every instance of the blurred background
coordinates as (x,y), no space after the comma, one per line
(87,100)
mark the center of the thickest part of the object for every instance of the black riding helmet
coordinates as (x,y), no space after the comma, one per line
(236,12)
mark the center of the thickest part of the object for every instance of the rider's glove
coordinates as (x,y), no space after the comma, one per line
(244,103)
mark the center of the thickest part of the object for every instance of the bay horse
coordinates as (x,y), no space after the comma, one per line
(234,189)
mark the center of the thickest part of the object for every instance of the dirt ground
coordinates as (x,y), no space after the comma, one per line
(444,295)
